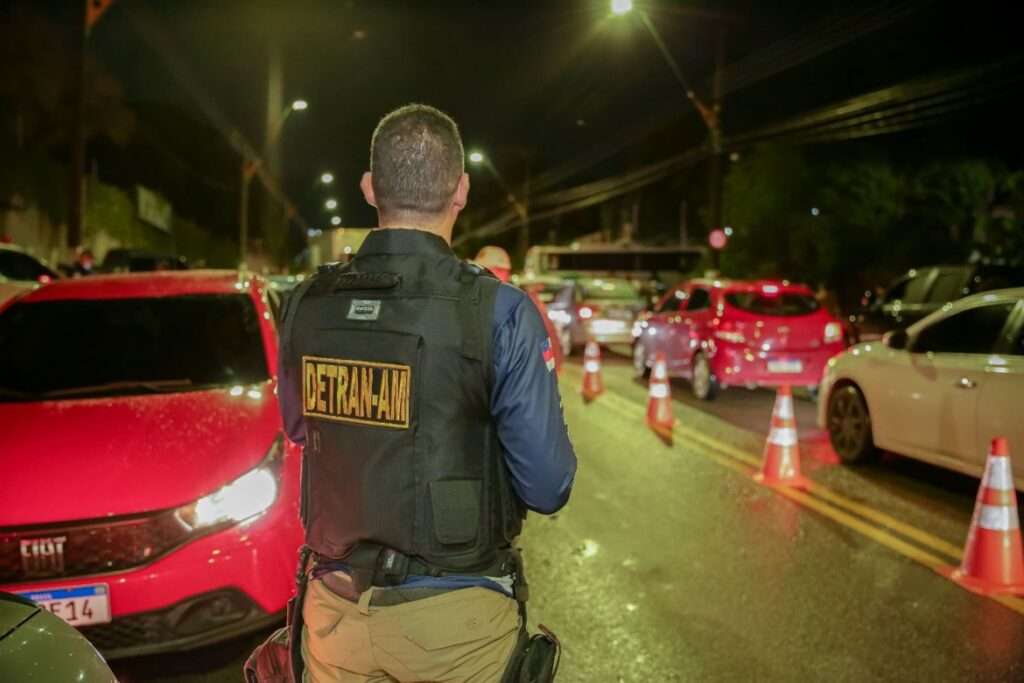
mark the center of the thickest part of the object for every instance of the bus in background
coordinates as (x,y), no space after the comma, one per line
(651,269)
(338,244)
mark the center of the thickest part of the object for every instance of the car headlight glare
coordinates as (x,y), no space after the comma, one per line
(244,498)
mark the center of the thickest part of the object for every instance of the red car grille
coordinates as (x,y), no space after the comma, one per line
(89,547)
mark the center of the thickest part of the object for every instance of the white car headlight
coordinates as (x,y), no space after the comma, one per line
(244,498)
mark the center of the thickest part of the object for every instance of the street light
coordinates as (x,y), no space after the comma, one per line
(620,7)
(250,168)
(711,115)
(477,158)
(331,204)
(327,178)
(335,220)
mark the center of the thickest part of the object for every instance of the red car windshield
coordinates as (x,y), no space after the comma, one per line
(112,347)
(783,304)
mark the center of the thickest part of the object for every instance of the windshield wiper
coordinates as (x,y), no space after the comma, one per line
(152,386)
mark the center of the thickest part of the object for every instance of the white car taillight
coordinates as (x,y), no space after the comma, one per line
(833,332)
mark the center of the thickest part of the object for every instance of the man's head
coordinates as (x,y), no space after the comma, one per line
(417,177)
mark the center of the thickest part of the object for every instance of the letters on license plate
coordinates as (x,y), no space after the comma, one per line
(785,366)
(78,605)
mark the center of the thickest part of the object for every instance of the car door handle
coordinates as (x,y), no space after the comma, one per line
(965,383)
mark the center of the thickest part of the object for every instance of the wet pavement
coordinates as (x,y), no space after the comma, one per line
(671,564)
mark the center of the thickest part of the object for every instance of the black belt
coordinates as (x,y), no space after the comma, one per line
(341,584)
(375,565)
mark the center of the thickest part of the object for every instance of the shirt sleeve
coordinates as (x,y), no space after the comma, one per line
(527,407)
(289,389)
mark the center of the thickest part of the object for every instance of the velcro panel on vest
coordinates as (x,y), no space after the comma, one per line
(355,281)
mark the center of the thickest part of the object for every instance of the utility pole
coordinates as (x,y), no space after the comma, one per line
(88,12)
(715,134)
(76,162)
(524,231)
(248,171)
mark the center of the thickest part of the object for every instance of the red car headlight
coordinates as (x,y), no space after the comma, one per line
(244,498)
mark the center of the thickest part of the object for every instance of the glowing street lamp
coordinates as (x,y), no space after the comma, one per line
(620,7)
(331,204)
(476,157)
(335,220)
(327,178)
(300,105)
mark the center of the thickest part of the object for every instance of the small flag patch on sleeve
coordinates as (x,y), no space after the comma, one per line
(548,354)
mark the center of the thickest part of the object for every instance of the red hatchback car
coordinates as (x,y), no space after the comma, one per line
(149,497)
(724,333)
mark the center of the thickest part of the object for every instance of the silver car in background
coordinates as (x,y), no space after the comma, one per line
(938,391)
(598,308)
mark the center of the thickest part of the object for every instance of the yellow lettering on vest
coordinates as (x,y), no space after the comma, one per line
(383,402)
(354,407)
(332,374)
(310,377)
(340,397)
(321,384)
(366,392)
(402,409)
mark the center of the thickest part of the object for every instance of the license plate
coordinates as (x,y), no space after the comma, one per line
(79,606)
(785,366)
(607,326)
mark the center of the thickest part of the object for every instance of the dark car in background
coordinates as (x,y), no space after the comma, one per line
(922,291)
(21,272)
(138,260)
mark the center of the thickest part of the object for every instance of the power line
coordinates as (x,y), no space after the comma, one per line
(897,108)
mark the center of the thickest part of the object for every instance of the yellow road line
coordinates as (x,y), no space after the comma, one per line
(921,536)
(821,491)
(825,502)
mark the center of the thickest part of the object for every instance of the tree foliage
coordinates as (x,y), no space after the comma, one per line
(850,223)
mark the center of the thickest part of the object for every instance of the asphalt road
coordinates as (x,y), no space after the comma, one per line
(670,563)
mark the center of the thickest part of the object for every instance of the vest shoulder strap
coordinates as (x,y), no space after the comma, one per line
(476,318)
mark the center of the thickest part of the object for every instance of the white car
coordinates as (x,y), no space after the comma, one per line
(938,391)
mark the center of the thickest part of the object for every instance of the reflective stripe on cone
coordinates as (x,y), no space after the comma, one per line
(781,465)
(593,385)
(993,560)
(659,402)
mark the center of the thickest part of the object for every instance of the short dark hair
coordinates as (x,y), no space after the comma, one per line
(416,159)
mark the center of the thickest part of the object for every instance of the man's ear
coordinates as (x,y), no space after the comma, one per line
(366,185)
(461,193)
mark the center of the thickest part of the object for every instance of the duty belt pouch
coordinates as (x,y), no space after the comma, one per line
(278,659)
(535,658)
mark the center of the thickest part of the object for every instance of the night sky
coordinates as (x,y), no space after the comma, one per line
(544,81)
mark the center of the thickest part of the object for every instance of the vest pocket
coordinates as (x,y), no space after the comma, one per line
(456,507)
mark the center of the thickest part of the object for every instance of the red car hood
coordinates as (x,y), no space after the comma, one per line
(82,459)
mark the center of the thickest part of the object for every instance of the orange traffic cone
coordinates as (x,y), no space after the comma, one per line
(781,452)
(593,386)
(993,561)
(659,402)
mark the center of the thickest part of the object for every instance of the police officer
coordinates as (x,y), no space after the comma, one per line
(422,392)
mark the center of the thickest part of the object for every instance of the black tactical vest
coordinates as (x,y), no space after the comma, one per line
(394,355)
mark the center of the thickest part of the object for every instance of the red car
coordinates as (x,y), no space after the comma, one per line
(149,497)
(720,333)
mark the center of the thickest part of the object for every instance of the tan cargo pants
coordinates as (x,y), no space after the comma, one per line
(464,635)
